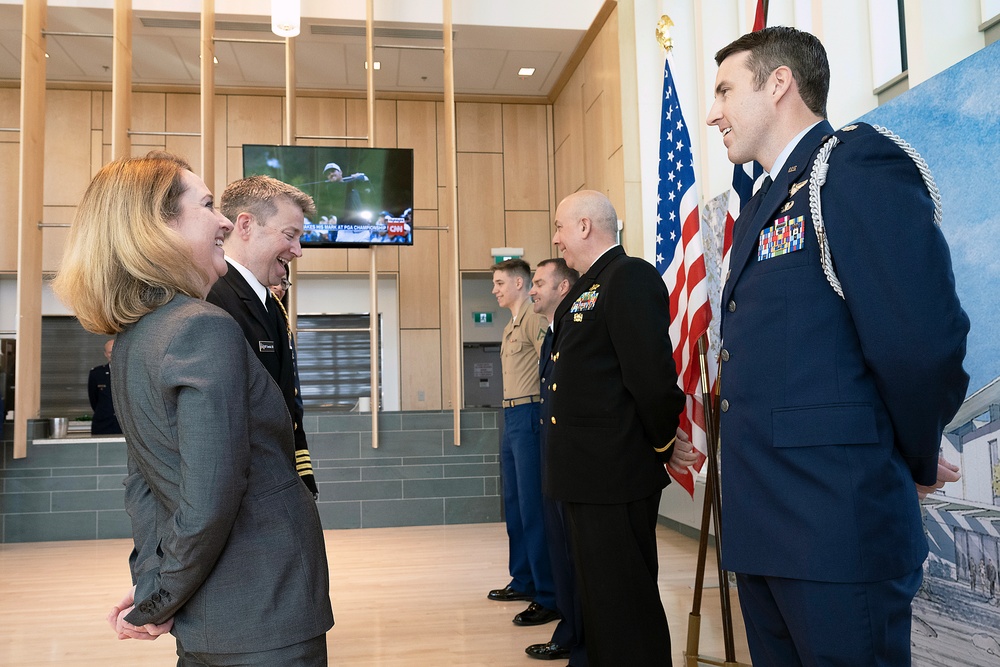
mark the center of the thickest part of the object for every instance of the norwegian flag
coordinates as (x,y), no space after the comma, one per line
(746,178)
(680,259)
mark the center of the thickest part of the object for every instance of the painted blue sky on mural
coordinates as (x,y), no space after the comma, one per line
(952,120)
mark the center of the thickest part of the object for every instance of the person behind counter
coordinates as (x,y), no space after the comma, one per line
(211,490)
(99,391)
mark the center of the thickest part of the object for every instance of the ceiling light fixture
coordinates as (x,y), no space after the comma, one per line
(286,17)
(526,71)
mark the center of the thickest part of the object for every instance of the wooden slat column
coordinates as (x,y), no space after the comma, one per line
(373,267)
(291,131)
(208,96)
(31,167)
(121,81)
(451,192)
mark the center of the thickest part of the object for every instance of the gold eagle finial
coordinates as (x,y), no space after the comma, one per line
(663,32)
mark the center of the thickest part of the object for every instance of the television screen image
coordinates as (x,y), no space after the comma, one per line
(363,196)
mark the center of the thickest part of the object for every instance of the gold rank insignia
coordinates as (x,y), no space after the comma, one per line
(793,169)
(787,207)
(578,317)
(796,187)
(848,128)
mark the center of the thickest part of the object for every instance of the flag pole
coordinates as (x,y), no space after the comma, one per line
(711,511)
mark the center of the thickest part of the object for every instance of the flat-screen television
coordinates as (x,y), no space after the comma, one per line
(363,196)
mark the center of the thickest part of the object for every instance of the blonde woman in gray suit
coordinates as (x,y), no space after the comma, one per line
(229,553)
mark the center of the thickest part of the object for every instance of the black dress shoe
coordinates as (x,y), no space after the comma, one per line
(549,651)
(536,614)
(507,594)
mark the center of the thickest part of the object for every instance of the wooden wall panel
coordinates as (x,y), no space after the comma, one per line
(595,72)
(531,230)
(322,260)
(96,110)
(386,124)
(67,157)
(478,127)
(10,113)
(615,184)
(525,157)
(148,115)
(9,187)
(449,298)
(320,116)
(54,238)
(220,107)
(567,110)
(359,260)
(570,173)
(106,115)
(595,155)
(417,129)
(253,119)
(611,87)
(480,208)
(96,151)
(419,286)
(357,121)
(184,115)
(420,369)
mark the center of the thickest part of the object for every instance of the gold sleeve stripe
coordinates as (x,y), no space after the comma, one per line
(303,463)
(666,447)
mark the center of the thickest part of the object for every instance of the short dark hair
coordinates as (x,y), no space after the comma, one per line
(800,51)
(561,270)
(515,267)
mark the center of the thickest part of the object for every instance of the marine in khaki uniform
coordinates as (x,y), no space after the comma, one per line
(520,457)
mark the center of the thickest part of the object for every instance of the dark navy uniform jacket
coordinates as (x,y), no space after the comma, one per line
(832,408)
(613,398)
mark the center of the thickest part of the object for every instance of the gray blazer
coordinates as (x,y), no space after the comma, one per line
(228,539)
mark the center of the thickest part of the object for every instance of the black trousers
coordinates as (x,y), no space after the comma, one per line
(615,551)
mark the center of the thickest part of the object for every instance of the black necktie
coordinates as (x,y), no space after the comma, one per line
(544,354)
(765,186)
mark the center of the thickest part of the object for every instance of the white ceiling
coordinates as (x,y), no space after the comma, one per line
(330,51)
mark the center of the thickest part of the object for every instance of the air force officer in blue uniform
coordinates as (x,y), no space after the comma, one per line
(832,406)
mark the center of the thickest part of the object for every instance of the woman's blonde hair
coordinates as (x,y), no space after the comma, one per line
(122,259)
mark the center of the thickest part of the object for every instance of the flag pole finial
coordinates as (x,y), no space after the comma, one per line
(663,33)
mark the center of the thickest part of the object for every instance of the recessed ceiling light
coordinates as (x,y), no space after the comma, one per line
(526,71)
(378,65)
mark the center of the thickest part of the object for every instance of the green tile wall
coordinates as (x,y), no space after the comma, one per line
(416,477)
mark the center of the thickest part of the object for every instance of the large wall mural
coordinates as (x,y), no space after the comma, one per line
(952,120)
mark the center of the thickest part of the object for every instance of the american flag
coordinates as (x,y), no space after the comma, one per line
(680,259)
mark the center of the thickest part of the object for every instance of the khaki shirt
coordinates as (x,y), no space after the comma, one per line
(522,341)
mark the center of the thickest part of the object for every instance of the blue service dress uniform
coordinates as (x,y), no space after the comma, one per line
(833,407)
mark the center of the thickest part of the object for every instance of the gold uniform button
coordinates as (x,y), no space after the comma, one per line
(553,420)
(732,306)
(555,357)
(725,405)
(725,355)
(554,386)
